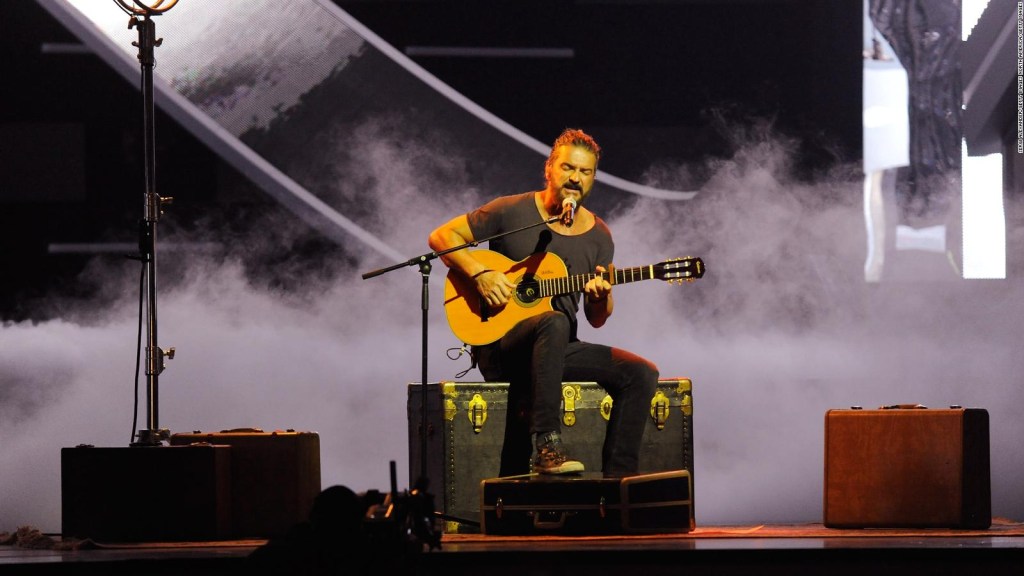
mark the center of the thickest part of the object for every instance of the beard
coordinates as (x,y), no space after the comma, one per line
(581,193)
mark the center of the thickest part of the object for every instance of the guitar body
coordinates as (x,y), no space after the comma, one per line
(476,323)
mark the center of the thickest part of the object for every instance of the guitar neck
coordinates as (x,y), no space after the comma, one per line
(576,282)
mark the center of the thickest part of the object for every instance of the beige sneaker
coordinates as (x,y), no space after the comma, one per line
(551,457)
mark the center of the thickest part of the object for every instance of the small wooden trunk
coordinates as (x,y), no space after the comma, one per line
(898,467)
(275,476)
(587,504)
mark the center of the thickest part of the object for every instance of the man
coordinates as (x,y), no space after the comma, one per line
(542,351)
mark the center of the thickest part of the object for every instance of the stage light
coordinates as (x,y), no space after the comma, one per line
(150,8)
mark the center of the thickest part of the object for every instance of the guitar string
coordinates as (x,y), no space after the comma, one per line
(568,284)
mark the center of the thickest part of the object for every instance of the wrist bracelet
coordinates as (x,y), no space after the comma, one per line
(481,272)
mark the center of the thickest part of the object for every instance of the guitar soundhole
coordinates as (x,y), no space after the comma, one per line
(528,291)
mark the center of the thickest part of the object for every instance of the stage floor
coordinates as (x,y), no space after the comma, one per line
(768,549)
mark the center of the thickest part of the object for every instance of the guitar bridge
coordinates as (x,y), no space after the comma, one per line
(485,310)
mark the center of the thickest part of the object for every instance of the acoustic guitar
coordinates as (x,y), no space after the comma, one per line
(537,278)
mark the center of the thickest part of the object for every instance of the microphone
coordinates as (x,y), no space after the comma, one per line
(568,212)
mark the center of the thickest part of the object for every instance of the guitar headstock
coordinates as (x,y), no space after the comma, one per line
(679,270)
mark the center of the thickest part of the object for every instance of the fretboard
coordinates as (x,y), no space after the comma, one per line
(576,282)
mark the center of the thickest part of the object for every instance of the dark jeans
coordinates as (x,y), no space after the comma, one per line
(535,357)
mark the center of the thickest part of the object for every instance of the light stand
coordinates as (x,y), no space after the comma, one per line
(142,19)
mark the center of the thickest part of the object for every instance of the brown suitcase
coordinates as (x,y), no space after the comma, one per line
(274,476)
(906,467)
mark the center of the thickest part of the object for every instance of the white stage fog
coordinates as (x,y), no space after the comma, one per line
(780,330)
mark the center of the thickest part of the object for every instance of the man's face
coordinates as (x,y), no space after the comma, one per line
(572,173)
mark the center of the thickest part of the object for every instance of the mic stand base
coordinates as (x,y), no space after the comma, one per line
(152,437)
(423,261)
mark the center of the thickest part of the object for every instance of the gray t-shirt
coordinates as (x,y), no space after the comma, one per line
(581,253)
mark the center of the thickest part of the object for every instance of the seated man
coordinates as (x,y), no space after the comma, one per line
(541,351)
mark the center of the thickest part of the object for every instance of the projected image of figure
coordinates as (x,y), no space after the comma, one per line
(920,57)
(886,140)
(541,351)
(926,38)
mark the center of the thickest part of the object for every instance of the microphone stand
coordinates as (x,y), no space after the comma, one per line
(153,204)
(423,262)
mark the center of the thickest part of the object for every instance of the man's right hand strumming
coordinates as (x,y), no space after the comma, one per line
(494,287)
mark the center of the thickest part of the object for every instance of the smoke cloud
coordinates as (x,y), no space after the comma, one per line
(781,329)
